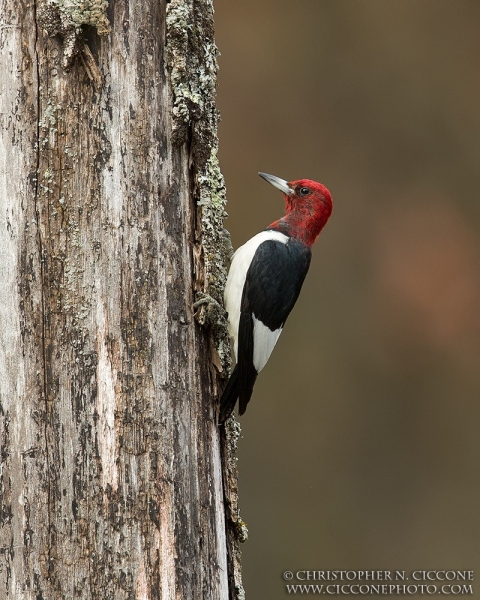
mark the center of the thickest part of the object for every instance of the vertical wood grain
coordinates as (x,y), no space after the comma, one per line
(110,457)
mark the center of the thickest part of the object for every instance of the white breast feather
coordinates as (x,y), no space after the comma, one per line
(236,280)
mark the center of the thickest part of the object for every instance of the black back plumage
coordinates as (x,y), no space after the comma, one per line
(274,281)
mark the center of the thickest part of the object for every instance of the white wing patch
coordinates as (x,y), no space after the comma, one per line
(264,340)
(241,261)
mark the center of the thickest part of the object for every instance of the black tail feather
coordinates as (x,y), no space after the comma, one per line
(246,371)
(239,387)
(247,378)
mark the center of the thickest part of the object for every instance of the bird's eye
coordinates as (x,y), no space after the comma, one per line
(304,191)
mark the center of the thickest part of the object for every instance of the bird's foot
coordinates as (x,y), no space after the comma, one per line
(209,311)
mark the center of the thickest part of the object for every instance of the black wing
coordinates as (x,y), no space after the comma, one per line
(274,281)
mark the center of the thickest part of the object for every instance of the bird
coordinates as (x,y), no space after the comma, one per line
(264,281)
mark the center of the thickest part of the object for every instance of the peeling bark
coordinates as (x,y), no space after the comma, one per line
(111,222)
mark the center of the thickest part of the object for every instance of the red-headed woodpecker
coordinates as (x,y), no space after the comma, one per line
(264,281)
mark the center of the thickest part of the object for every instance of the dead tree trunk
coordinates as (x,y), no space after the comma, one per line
(111,205)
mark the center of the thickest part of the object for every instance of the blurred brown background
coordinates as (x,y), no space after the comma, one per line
(361,444)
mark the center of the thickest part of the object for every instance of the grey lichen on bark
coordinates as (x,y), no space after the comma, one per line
(67,17)
(110,482)
(192,63)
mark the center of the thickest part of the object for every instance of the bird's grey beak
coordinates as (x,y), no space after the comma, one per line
(281,184)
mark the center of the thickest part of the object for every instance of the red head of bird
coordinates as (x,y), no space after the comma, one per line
(308,206)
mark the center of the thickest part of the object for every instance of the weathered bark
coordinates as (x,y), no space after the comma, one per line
(111,219)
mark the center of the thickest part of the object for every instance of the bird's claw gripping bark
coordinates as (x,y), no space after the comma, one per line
(210,312)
